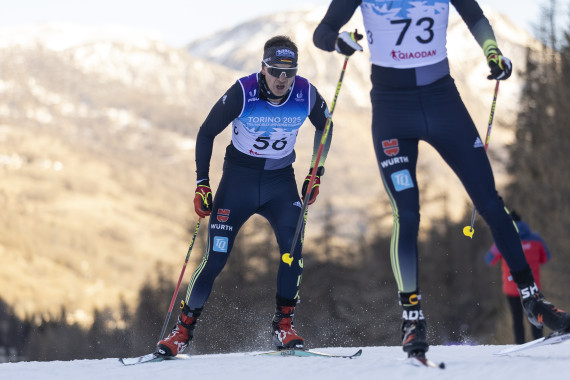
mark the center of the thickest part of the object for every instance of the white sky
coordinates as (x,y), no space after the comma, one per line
(181,21)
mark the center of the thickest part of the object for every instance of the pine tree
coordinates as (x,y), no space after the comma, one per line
(540,185)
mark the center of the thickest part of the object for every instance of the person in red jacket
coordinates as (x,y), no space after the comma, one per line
(536,253)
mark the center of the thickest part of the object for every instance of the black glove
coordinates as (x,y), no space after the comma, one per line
(203,199)
(347,44)
(316,184)
(501,67)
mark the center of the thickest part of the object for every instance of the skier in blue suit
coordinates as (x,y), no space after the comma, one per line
(266,110)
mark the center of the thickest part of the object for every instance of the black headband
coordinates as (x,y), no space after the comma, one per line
(279,54)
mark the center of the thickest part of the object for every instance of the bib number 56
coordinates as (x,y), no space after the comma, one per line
(264,143)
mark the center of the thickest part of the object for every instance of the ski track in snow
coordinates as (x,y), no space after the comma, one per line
(462,363)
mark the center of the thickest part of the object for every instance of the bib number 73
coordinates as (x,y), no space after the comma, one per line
(425,22)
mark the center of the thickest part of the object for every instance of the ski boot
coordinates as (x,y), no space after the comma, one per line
(181,334)
(284,334)
(414,326)
(538,310)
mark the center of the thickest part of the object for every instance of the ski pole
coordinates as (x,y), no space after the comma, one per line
(305,209)
(179,280)
(468,230)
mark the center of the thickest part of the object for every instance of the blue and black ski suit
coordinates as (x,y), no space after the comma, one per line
(258,176)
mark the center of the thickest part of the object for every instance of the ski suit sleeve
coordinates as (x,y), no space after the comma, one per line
(318,116)
(338,14)
(477,23)
(493,256)
(227,108)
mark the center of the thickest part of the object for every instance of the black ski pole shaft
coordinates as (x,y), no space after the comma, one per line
(164,326)
(468,230)
(305,209)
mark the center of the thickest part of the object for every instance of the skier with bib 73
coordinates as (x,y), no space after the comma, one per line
(415,98)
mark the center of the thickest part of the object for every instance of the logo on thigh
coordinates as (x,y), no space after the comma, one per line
(220,244)
(402,180)
(223,215)
(391,147)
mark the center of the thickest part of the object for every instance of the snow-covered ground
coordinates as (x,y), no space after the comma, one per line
(379,363)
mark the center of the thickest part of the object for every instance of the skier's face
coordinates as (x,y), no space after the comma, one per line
(279,85)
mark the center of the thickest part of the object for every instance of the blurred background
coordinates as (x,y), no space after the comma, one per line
(100,104)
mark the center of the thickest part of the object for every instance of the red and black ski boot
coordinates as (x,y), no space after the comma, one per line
(181,334)
(284,334)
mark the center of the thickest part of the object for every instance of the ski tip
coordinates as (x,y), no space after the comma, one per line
(141,359)
(421,360)
(429,363)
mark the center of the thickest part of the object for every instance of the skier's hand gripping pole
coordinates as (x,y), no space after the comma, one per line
(305,209)
(468,230)
(166,321)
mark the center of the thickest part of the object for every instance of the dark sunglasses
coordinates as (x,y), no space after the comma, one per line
(276,72)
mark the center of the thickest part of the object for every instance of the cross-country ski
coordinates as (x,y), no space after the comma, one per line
(151,358)
(553,338)
(156,357)
(309,353)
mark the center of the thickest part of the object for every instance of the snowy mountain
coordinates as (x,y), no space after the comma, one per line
(113,56)
(97,134)
(462,362)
